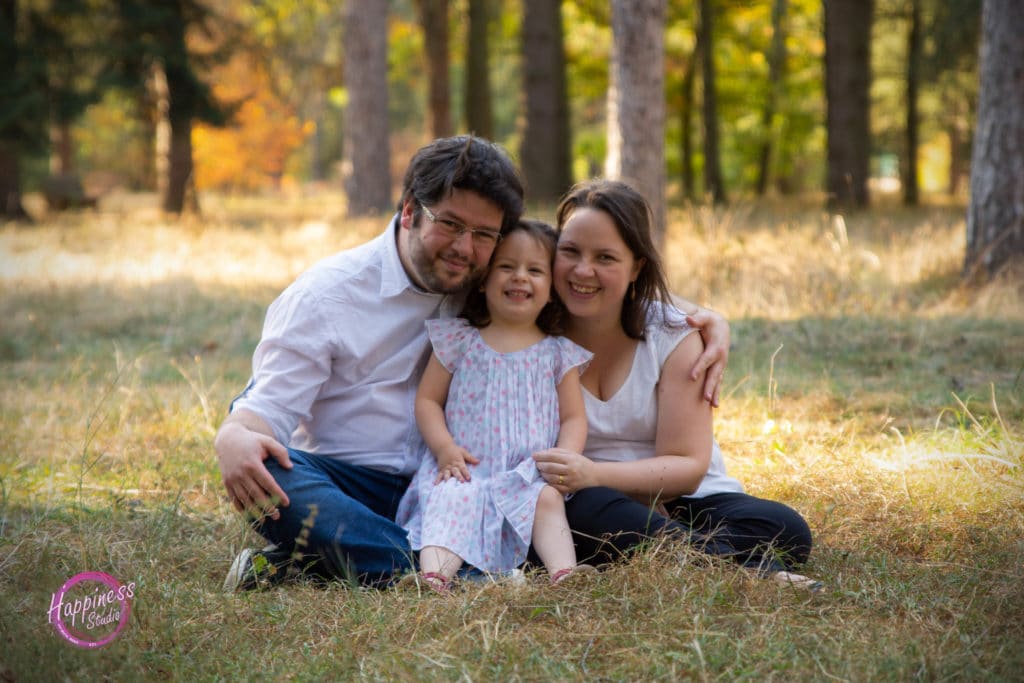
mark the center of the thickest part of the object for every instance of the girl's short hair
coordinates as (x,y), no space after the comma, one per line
(551,319)
(632,217)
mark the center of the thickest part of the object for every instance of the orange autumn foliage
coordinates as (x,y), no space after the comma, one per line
(252,152)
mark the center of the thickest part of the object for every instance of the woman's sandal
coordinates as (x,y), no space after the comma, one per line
(799,581)
(434,581)
(566,576)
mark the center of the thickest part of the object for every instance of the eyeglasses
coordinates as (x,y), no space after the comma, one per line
(481,237)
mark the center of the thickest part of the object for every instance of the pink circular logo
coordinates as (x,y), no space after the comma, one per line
(91,609)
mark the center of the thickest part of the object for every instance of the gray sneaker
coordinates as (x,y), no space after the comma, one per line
(257,569)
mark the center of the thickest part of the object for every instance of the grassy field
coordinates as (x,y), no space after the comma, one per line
(866,388)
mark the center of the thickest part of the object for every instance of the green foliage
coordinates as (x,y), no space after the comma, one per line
(155,33)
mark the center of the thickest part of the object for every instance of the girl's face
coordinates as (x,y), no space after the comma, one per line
(518,285)
(593,265)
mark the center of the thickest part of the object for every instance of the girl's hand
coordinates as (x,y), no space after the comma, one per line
(453,462)
(565,470)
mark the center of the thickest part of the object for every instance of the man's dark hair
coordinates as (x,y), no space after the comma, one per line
(551,319)
(464,162)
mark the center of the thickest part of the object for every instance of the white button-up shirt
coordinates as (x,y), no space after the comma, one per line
(342,352)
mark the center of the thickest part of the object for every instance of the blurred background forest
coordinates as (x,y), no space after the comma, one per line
(849,102)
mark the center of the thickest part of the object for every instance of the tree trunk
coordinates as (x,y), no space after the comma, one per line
(713,182)
(847,85)
(686,125)
(10,182)
(367,158)
(180,111)
(995,216)
(956,144)
(479,118)
(911,193)
(544,153)
(636,102)
(62,149)
(433,16)
(776,73)
(10,138)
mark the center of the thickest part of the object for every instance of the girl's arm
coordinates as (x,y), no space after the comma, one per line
(572,435)
(429,408)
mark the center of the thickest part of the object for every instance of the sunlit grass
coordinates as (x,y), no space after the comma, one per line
(866,388)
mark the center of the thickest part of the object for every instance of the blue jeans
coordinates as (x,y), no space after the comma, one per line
(340,519)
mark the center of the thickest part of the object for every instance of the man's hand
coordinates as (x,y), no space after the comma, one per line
(241,451)
(714,330)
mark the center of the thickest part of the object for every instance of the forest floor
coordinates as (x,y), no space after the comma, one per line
(866,388)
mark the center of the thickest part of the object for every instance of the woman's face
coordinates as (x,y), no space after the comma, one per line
(593,266)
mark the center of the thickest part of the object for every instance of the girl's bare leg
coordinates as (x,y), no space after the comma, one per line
(438,565)
(551,536)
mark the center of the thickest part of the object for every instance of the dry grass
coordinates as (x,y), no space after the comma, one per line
(866,388)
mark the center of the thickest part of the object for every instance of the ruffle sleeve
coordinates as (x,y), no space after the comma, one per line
(570,355)
(450,338)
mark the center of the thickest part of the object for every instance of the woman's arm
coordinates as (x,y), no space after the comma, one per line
(431,397)
(572,434)
(682,444)
(714,330)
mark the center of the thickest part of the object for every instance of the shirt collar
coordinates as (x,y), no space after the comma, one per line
(394,280)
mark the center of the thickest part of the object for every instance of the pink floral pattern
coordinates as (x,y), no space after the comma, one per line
(502,407)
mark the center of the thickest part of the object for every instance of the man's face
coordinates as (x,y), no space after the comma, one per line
(432,257)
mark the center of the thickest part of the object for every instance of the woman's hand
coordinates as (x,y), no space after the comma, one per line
(714,330)
(565,470)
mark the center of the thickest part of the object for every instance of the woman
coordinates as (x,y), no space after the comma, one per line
(652,466)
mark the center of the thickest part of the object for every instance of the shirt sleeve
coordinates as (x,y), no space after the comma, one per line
(570,355)
(291,363)
(666,335)
(450,339)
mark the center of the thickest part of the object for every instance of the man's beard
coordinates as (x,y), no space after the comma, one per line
(424,266)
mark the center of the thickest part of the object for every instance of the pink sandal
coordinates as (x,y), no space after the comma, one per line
(437,582)
(565,575)
(432,580)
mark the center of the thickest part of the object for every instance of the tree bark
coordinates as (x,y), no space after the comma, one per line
(10,138)
(713,182)
(10,182)
(636,102)
(776,73)
(686,125)
(433,16)
(847,85)
(180,111)
(545,150)
(479,117)
(911,191)
(995,215)
(367,158)
(162,132)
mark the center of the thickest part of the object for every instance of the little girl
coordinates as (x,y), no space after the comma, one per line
(497,389)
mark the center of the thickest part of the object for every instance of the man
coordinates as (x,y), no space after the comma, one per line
(320,446)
